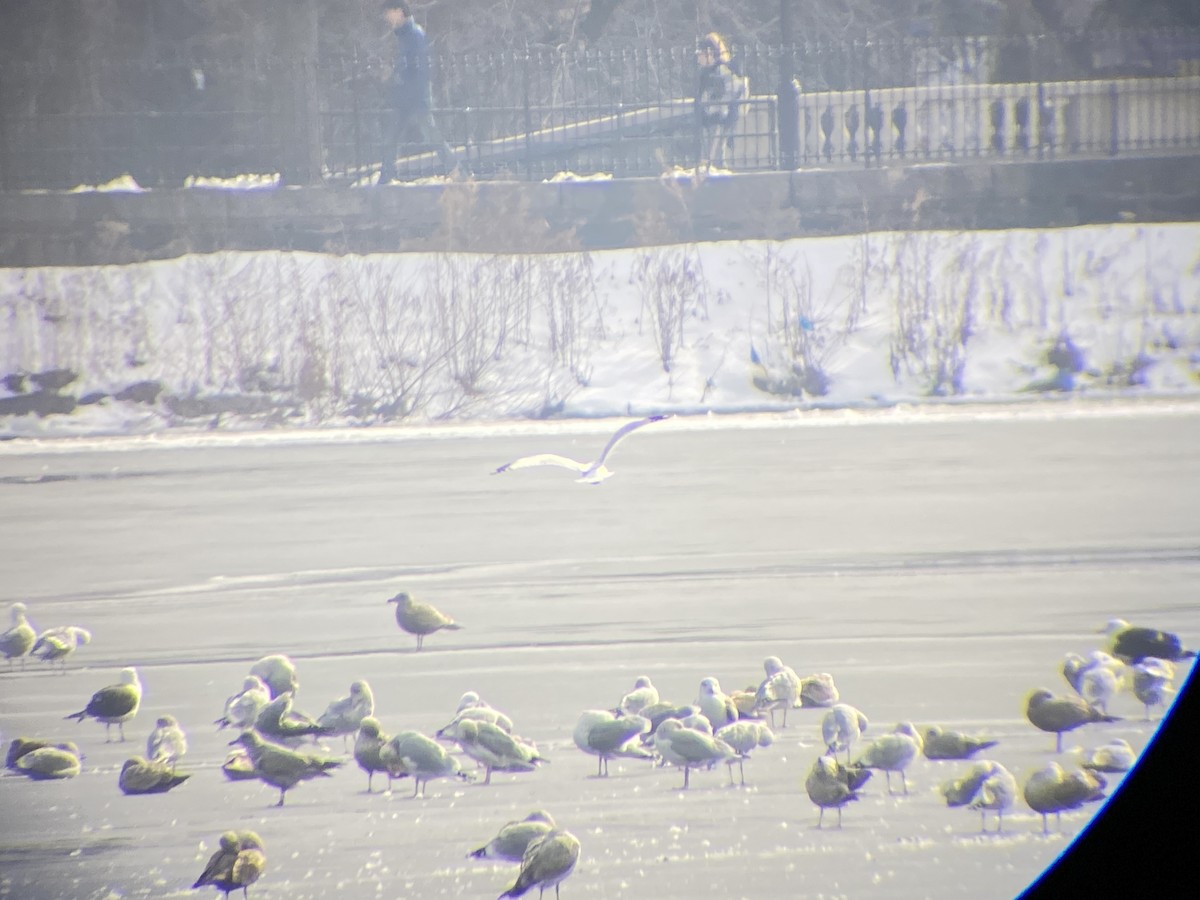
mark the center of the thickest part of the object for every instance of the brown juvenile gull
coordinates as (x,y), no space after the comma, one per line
(1115,756)
(282,767)
(744,736)
(344,716)
(688,749)
(828,786)
(367,750)
(1059,714)
(415,754)
(511,842)
(239,861)
(589,472)
(1152,682)
(142,776)
(167,742)
(495,749)
(19,746)
(841,727)
(715,705)
(604,735)
(938,743)
(242,709)
(818,690)
(1134,643)
(1052,790)
(20,638)
(53,762)
(278,673)
(54,645)
(419,618)
(893,752)
(547,862)
(115,704)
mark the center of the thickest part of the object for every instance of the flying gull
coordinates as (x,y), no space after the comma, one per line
(239,862)
(115,704)
(419,618)
(511,842)
(20,638)
(589,472)
(547,862)
(893,752)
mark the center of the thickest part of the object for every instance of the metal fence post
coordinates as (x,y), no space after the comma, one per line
(1113,127)
(528,118)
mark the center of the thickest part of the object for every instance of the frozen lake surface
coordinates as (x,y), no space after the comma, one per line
(939,569)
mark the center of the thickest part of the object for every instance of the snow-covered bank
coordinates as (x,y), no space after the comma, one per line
(240,340)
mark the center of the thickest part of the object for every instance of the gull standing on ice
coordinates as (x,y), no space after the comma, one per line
(368,750)
(644,694)
(588,472)
(167,742)
(280,767)
(715,705)
(831,786)
(1052,790)
(238,863)
(278,674)
(1133,643)
(412,753)
(997,792)
(547,862)
(1059,714)
(344,716)
(1115,756)
(744,736)
(115,704)
(511,842)
(495,749)
(20,638)
(419,618)
(893,752)
(604,735)
(841,727)
(1152,681)
(779,690)
(54,645)
(689,749)
(242,709)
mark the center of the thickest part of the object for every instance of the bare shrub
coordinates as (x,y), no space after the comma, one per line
(672,288)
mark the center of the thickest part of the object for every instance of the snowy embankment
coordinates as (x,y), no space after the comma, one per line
(243,340)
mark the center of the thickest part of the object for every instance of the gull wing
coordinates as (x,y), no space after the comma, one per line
(620,433)
(545,459)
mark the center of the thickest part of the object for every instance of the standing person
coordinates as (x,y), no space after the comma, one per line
(717,97)
(412,95)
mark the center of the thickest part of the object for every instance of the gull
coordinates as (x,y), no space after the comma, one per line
(830,785)
(511,842)
(142,776)
(368,747)
(589,472)
(604,735)
(167,742)
(55,761)
(818,690)
(779,690)
(496,749)
(20,638)
(281,767)
(938,743)
(344,716)
(690,749)
(1133,643)
(239,861)
(744,736)
(474,714)
(841,727)
(278,722)
(22,745)
(643,694)
(54,645)
(1095,677)
(986,785)
(1059,714)
(1052,790)
(419,618)
(1152,681)
(657,713)
(242,709)
(115,704)
(412,753)
(547,862)
(715,705)
(238,766)
(278,674)
(893,752)
(1115,756)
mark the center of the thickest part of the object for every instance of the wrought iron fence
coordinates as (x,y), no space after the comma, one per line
(541,113)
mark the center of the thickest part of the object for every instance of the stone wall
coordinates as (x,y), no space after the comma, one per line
(118,227)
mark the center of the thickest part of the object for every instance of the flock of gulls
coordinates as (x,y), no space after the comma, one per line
(276,744)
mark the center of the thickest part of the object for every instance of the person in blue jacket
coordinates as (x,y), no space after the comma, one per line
(411,93)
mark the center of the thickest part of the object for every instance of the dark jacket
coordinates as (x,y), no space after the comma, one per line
(410,75)
(714,94)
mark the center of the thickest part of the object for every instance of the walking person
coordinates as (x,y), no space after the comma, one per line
(718,93)
(411,92)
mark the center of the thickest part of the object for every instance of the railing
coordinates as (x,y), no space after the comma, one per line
(536,115)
